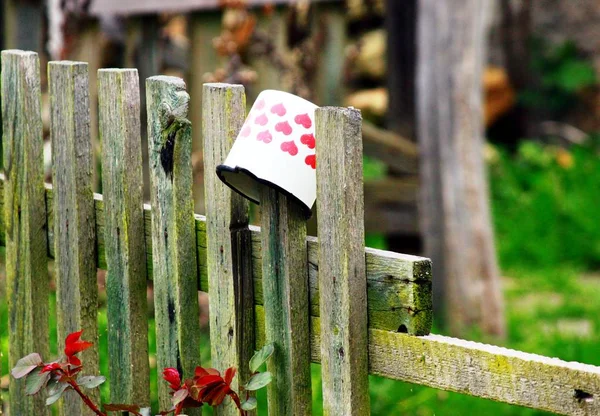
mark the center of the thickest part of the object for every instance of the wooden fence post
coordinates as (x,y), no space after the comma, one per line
(173,230)
(74,214)
(342,274)
(229,247)
(25,219)
(119,114)
(286,303)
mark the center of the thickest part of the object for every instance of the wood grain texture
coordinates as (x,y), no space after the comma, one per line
(342,271)
(74,222)
(229,268)
(398,285)
(455,214)
(286,303)
(25,219)
(474,369)
(124,242)
(173,230)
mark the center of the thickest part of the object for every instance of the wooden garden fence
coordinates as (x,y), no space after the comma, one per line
(356,311)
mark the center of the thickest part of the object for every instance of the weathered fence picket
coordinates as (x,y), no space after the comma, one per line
(343,282)
(24,216)
(119,111)
(286,303)
(173,230)
(74,225)
(230,270)
(328,300)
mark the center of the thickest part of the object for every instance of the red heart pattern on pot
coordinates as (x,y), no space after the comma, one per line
(308,140)
(264,136)
(284,127)
(279,109)
(261,120)
(304,120)
(290,147)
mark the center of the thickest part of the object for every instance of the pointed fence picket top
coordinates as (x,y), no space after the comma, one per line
(328,300)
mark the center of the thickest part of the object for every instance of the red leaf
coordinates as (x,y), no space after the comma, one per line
(73,337)
(208,380)
(171,375)
(77,347)
(216,395)
(74,345)
(201,372)
(229,375)
(51,367)
(74,361)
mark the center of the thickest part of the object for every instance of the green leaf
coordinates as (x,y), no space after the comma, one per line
(260,357)
(35,381)
(56,393)
(54,384)
(90,382)
(249,404)
(258,381)
(26,365)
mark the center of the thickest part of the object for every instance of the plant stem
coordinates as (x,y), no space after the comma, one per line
(86,399)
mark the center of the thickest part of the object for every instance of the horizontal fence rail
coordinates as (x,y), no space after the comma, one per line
(398,285)
(272,274)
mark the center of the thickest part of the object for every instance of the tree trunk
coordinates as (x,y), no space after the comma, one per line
(455,210)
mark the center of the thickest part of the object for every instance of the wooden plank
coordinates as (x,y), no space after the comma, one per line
(173,230)
(25,219)
(269,73)
(399,153)
(398,285)
(392,218)
(228,237)
(475,369)
(342,271)
(286,303)
(23,25)
(119,115)
(133,7)
(330,79)
(74,230)
(392,190)
(401,57)
(88,47)
(203,28)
